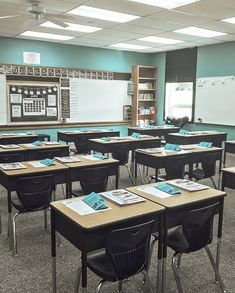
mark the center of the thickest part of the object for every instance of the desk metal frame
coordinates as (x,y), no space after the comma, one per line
(155,131)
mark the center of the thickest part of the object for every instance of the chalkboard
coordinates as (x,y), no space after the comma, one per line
(215,100)
(92,100)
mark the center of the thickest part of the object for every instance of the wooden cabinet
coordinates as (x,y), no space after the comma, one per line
(144,98)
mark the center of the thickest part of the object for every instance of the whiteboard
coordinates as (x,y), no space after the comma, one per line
(3,100)
(215,100)
(97,100)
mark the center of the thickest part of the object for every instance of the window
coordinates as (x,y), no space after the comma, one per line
(180,83)
(179,100)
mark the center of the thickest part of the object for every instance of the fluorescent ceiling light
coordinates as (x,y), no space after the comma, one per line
(102,14)
(167,4)
(72,27)
(230,20)
(201,32)
(159,40)
(46,36)
(129,46)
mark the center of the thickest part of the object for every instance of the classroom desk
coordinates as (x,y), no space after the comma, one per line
(88,233)
(45,151)
(135,143)
(228,178)
(11,155)
(229,147)
(154,131)
(216,138)
(72,136)
(86,163)
(177,206)
(8,179)
(17,138)
(157,160)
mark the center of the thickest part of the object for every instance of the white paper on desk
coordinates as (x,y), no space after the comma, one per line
(67,159)
(188,146)
(36,164)
(7,134)
(188,185)
(12,166)
(9,146)
(51,142)
(155,192)
(91,157)
(151,150)
(29,145)
(80,207)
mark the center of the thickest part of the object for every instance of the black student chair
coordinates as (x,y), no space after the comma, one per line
(121,153)
(194,234)
(93,179)
(208,168)
(125,254)
(33,194)
(81,146)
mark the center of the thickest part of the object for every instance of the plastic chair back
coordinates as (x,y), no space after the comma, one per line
(121,153)
(175,167)
(35,193)
(128,249)
(198,226)
(94,179)
(209,165)
(82,146)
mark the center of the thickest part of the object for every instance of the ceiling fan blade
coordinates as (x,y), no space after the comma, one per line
(57,22)
(9,16)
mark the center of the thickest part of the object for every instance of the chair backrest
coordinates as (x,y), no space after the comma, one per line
(82,145)
(94,179)
(175,166)
(35,192)
(121,152)
(209,164)
(198,226)
(128,249)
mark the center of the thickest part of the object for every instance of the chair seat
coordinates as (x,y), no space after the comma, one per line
(177,241)
(99,263)
(19,207)
(198,174)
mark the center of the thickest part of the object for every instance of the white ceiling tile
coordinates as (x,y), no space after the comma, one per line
(221,26)
(154,23)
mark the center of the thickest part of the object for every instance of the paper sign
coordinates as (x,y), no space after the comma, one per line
(51,112)
(16,111)
(51,100)
(16,98)
(31,58)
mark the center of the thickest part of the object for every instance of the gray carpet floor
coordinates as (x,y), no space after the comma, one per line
(30,270)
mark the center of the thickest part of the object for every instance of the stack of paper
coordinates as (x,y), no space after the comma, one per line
(9,146)
(67,159)
(188,185)
(12,166)
(122,197)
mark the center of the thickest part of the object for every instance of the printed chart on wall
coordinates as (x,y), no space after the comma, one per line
(214,101)
(93,100)
(31,102)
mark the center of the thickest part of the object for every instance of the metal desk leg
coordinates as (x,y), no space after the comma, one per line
(84,271)
(53,251)
(9,224)
(164,254)
(117,176)
(160,246)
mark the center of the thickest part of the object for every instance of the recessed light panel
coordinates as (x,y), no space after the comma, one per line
(72,27)
(201,32)
(167,4)
(159,40)
(102,14)
(129,46)
(46,36)
(230,20)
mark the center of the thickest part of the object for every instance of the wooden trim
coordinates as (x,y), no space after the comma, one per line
(60,125)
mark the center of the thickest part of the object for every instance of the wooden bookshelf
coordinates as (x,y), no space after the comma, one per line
(144,98)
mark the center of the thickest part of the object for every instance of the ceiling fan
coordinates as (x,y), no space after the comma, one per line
(37,12)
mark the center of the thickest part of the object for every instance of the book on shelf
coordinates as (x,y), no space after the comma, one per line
(122,197)
(145,86)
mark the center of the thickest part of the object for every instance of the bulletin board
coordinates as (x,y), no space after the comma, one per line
(33,102)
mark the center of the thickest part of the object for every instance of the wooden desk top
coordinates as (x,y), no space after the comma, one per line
(165,153)
(44,146)
(198,133)
(114,215)
(125,139)
(154,127)
(15,135)
(10,150)
(229,170)
(89,131)
(179,200)
(33,170)
(85,162)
